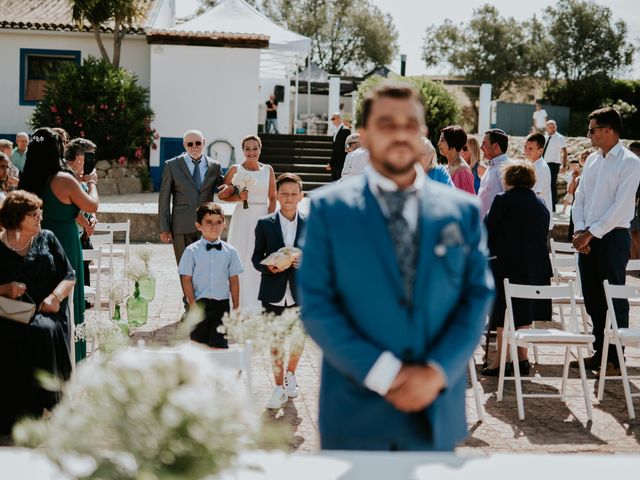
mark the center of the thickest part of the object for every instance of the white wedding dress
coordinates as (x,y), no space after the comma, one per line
(242,233)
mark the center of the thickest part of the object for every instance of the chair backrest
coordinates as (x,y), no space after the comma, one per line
(115,227)
(633,266)
(566,264)
(620,292)
(561,247)
(540,292)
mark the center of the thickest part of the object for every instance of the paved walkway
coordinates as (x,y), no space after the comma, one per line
(551,425)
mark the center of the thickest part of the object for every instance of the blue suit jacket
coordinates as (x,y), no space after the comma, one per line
(354,307)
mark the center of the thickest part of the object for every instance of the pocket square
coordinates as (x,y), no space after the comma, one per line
(450,236)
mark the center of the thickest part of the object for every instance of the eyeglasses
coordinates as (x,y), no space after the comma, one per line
(191,144)
(349,145)
(593,129)
(36,214)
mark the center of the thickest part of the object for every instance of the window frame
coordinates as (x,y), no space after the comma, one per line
(74,55)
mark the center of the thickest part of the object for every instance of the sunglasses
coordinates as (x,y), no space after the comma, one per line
(593,129)
(191,144)
(349,145)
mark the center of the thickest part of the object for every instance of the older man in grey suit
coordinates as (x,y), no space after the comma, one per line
(190,179)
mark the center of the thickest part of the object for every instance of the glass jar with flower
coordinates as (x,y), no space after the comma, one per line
(147,283)
(117,296)
(137,305)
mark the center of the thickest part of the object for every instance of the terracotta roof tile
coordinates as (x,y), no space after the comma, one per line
(226,39)
(53,15)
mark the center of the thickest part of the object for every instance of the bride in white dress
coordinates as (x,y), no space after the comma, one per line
(262,201)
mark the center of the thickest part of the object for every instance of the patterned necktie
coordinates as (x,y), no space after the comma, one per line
(405,242)
(196,173)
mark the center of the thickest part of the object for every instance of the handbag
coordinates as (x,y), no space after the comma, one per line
(17,310)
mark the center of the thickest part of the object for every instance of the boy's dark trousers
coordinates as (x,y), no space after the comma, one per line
(207,331)
(278,310)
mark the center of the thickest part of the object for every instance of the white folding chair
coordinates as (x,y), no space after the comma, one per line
(72,331)
(620,337)
(104,240)
(476,389)
(567,338)
(92,293)
(562,248)
(118,227)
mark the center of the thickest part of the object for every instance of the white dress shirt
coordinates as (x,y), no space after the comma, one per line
(335,133)
(605,198)
(553,150)
(387,366)
(355,162)
(543,186)
(289,229)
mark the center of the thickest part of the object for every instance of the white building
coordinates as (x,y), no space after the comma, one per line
(205,73)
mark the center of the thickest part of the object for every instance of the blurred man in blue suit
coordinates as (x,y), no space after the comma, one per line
(394,288)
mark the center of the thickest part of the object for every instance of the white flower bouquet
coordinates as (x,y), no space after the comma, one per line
(242,181)
(283,258)
(145,254)
(136,272)
(104,333)
(144,415)
(262,328)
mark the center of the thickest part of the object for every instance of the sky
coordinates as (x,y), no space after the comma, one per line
(413,16)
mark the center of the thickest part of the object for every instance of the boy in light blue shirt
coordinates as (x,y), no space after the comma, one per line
(209,270)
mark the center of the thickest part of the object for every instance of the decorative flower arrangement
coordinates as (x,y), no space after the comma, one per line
(264,329)
(105,334)
(145,254)
(117,293)
(136,272)
(242,181)
(147,415)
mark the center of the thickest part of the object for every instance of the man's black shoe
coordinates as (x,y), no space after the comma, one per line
(525,367)
(591,363)
(495,372)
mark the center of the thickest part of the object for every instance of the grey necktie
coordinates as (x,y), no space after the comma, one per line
(405,242)
(196,173)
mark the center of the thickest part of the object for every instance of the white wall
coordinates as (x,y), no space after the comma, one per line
(320,104)
(212,89)
(13,116)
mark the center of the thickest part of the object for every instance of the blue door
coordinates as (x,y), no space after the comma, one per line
(169,147)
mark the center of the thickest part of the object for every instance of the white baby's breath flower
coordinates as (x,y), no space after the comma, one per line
(136,272)
(145,254)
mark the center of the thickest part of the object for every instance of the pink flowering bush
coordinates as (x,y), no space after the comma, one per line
(101,103)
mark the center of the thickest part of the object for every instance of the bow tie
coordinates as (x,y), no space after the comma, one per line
(217,246)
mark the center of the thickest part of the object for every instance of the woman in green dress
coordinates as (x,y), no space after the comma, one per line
(63,198)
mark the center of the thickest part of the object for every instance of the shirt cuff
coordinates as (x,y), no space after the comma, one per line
(383,373)
(596,231)
(436,366)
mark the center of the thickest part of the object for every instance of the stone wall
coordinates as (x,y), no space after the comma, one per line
(116,179)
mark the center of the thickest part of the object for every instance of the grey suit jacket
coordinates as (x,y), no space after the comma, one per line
(177,184)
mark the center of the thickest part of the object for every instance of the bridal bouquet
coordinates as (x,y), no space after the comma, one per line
(145,415)
(262,328)
(242,181)
(282,258)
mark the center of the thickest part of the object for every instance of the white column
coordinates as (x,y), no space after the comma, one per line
(484,112)
(295,102)
(334,97)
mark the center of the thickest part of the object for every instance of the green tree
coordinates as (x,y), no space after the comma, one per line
(100,102)
(348,36)
(117,14)
(585,41)
(440,108)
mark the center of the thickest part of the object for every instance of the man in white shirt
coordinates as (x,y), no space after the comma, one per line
(602,211)
(494,147)
(533,146)
(555,154)
(357,157)
(539,118)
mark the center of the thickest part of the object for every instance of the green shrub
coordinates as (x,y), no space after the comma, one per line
(440,107)
(102,103)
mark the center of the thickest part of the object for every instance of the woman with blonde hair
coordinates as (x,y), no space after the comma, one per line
(472,155)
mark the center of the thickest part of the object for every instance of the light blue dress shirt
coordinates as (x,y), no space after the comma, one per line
(210,270)
(19,159)
(491,183)
(191,165)
(440,174)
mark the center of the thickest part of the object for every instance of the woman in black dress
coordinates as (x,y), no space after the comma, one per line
(517,227)
(34,268)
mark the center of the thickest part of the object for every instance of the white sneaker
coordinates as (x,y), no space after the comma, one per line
(291,385)
(278,398)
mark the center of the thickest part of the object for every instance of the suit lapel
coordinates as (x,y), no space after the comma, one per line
(298,230)
(376,224)
(429,230)
(182,163)
(277,228)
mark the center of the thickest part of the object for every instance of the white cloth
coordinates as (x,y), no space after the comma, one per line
(605,198)
(289,229)
(242,232)
(355,162)
(553,151)
(337,129)
(386,367)
(540,118)
(543,186)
